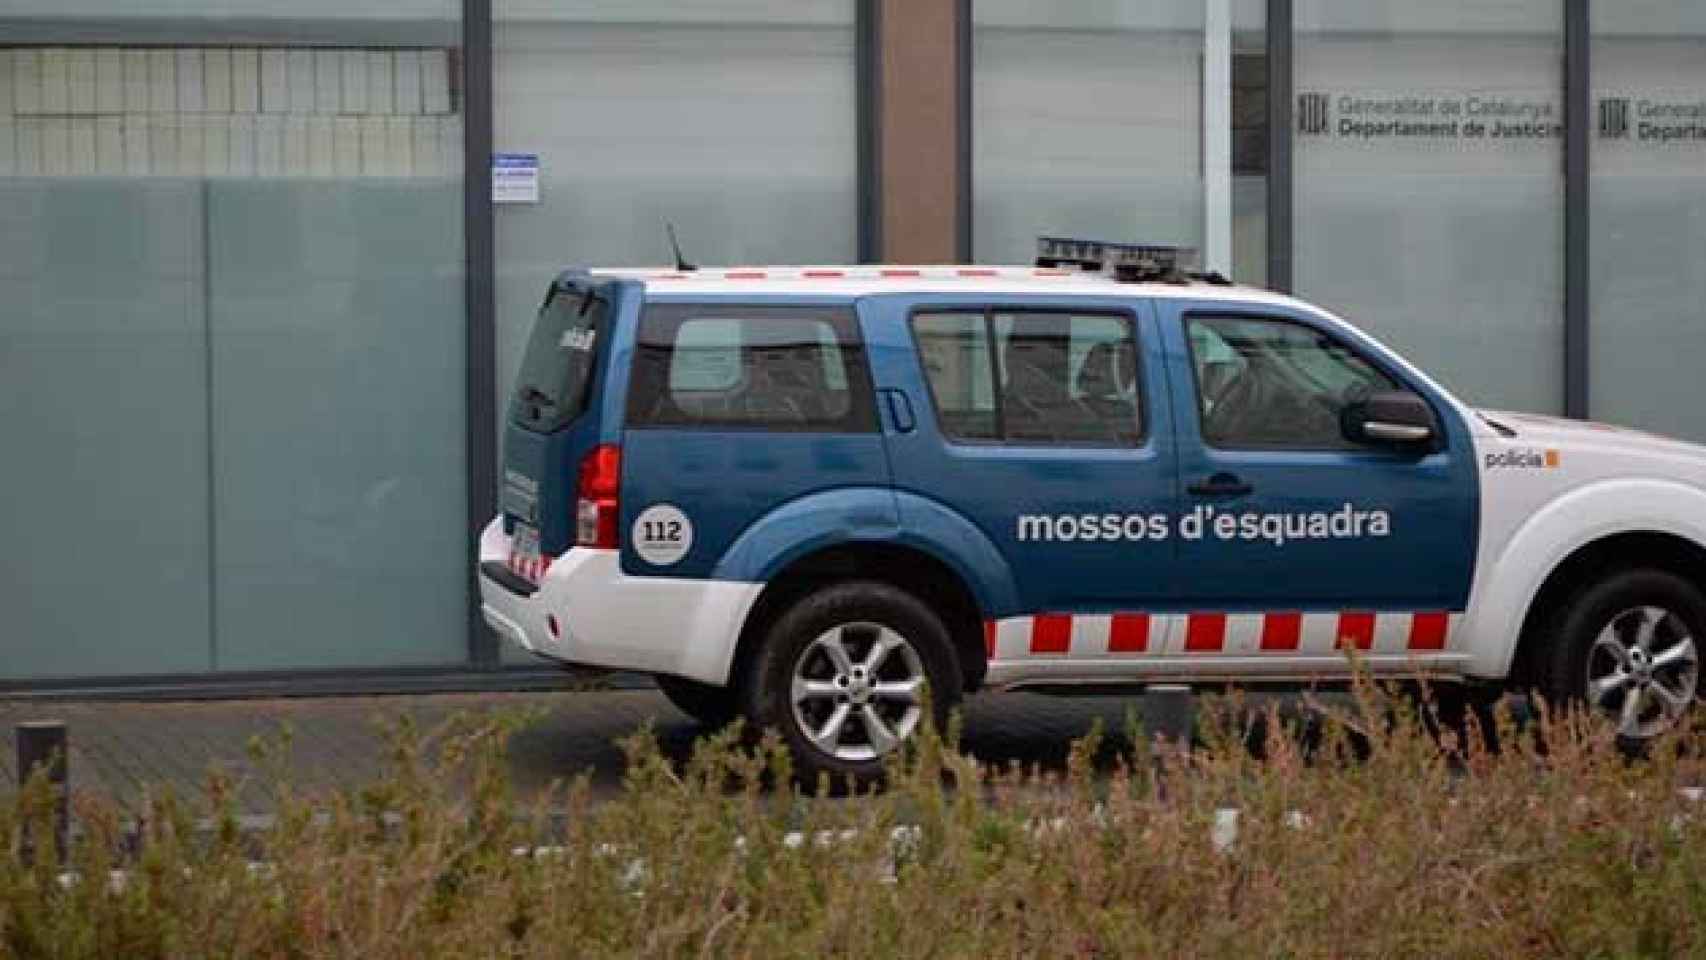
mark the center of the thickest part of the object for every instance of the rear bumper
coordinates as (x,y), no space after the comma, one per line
(503,576)
(606,618)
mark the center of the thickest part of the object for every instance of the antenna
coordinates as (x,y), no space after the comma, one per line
(680,261)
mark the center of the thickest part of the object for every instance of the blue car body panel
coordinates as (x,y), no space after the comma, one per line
(552,460)
(757,498)
(811,486)
(1425,562)
(760,500)
(990,486)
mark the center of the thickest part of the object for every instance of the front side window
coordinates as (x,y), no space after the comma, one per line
(1273,384)
(1032,378)
(761,367)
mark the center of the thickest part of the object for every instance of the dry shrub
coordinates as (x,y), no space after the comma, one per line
(1357,834)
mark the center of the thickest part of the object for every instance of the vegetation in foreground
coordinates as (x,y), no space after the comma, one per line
(1361,837)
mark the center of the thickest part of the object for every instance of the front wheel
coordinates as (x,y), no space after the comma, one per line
(842,676)
(1628,648)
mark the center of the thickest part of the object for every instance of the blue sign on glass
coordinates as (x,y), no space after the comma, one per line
(515,178)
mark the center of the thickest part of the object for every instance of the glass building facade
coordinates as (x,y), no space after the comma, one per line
(231,258)
(1429,185)
(1119,119)
(1647,336)
(261,307)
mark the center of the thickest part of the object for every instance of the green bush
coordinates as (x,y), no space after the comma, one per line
(1362,836)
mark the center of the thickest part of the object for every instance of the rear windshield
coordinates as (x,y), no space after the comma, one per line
(556,373)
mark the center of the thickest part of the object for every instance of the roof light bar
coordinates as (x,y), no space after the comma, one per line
(1125,261)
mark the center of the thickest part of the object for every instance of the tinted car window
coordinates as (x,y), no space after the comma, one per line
(954,349)
(759,367)
(556,375)
(1032,378)
(1273,384)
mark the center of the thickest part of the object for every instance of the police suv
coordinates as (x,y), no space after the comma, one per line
(800,495)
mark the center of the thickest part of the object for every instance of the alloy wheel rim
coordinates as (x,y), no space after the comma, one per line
(1643,671)
(857,691)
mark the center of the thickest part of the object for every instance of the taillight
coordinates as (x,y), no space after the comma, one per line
(595,497)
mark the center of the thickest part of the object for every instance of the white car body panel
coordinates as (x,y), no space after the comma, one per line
(1606,481)
(609,619)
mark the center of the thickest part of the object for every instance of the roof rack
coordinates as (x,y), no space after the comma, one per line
(1127,262)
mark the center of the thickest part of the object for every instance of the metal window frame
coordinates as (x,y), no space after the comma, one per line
(963,53)
(480,303)
(868,86)
(1281,35)
(1578,97)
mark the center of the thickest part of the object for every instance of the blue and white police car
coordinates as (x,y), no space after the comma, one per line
(800,495)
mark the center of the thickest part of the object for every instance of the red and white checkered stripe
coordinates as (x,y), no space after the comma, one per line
(530,567)
(1276,632)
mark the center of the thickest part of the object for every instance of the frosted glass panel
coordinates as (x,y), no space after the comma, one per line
(330,318)
(1250,230)
(1429,188)
(1648,196)
(338,424)
(232,351)
(733,120)
(103,384)
(1087,121)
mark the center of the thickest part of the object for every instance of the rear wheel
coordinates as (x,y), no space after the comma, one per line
(1628,648)
(842,677)
(715,707)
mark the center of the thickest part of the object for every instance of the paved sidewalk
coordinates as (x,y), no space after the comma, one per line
(119,749)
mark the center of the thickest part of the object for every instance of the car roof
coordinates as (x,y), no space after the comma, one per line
(873,279)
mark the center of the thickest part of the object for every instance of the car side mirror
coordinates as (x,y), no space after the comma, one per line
(1390,418)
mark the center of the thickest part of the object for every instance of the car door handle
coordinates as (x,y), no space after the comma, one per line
(1219,485)
(900,411)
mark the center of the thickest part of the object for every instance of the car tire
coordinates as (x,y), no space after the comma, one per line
(1627,647)
(714,707)
(843,718)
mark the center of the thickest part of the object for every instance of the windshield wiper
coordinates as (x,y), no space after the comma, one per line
(592,296)
(589,296)
(538,399)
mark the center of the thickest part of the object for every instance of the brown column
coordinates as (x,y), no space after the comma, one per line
(918,129)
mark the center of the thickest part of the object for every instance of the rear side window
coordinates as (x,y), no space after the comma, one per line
(771,368)
(1032,378)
